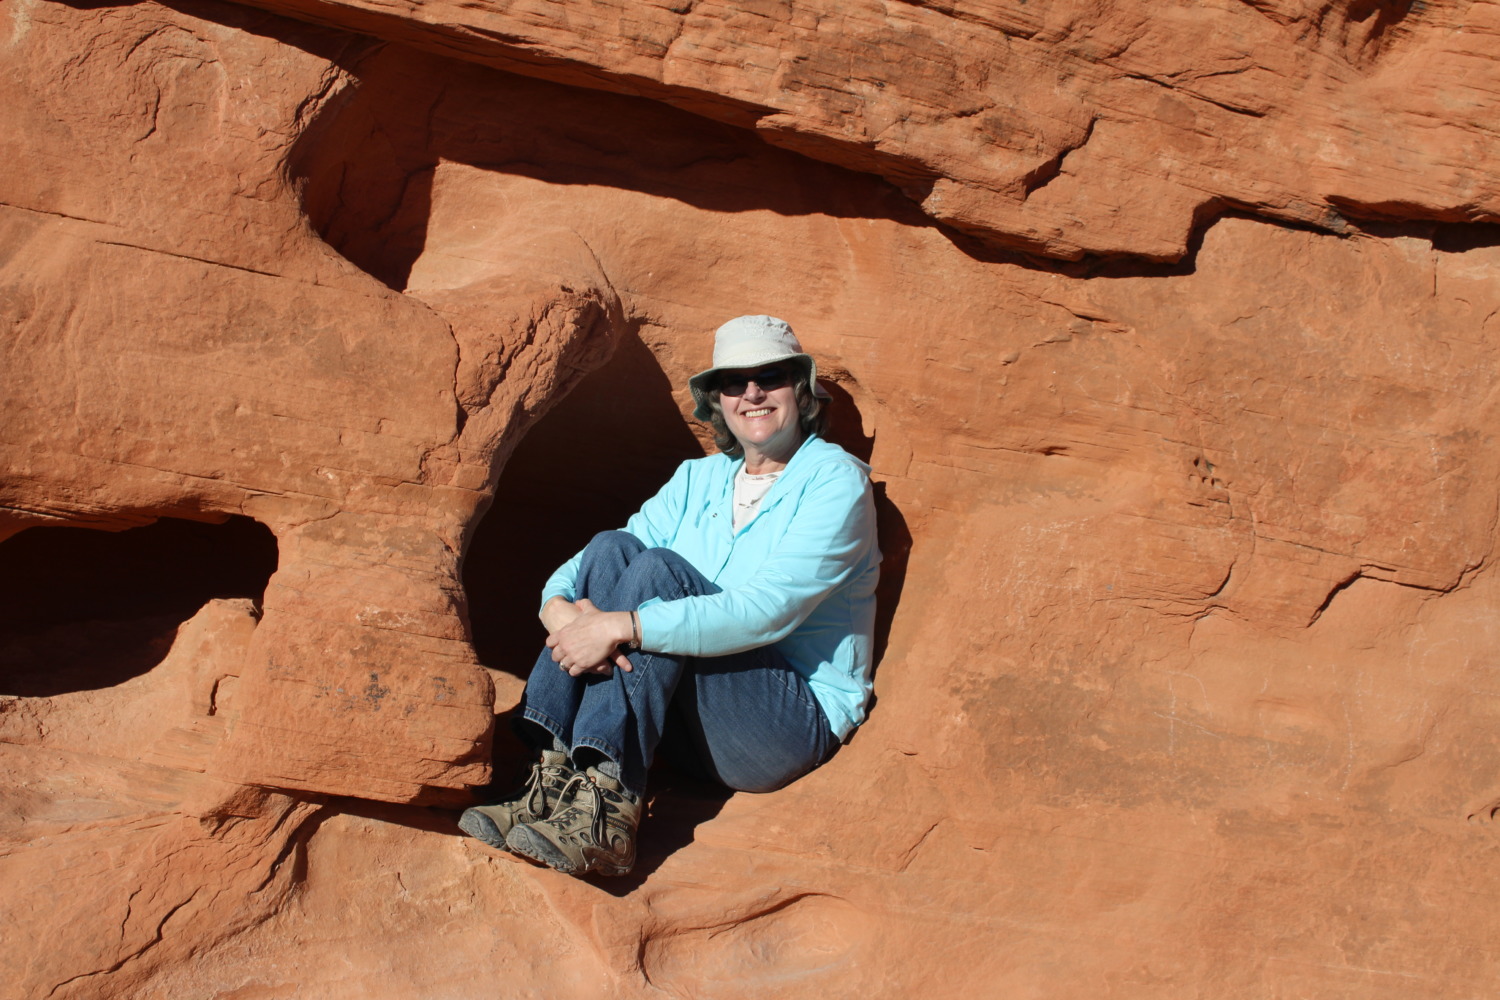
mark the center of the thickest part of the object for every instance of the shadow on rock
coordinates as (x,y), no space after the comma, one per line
(677,804)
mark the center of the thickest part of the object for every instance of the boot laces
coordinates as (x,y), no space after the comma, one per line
(597,804)
(533,786)
(537,785)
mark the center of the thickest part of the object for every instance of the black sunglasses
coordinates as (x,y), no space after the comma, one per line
(769,381)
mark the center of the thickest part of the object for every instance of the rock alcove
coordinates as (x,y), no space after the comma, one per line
(418,173)
(82,609)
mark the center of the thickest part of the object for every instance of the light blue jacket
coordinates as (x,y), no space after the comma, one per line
(801,575)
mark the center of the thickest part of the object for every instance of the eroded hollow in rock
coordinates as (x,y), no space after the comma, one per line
(381,169)
(545,509)
(368,163)
(82,609)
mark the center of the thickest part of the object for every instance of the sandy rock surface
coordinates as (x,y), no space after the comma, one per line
(323,344)
(1060,127)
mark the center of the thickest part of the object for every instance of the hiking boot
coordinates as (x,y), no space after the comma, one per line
(592,829)
(536,800)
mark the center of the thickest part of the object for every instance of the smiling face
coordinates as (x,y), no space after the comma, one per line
(765,423)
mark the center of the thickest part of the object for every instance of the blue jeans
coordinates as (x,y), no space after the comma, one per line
(748,720)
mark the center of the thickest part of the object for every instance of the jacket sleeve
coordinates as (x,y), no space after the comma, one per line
(654,524)
(829,538)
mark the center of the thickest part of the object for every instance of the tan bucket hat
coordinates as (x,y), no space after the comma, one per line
(752,342)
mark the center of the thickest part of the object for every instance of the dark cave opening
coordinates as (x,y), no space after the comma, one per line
(82,609)
(584,468)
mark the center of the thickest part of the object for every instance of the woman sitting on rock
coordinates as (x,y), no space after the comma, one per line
(734,613)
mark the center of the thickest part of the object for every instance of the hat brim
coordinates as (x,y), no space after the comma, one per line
(701,383)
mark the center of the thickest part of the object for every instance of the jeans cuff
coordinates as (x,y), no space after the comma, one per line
(606,749)
(543,720)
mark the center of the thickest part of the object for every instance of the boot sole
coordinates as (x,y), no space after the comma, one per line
(523,842)
(538,849)
(479,826)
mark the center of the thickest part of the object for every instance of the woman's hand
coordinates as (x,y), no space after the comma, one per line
(557,613)
(586,640)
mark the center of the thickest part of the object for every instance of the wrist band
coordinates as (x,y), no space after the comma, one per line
(635,631)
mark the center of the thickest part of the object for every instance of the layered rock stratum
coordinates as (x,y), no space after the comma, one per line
(1169,331)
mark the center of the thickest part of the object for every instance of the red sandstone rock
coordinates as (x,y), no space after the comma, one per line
(1064,128)
(1189,689)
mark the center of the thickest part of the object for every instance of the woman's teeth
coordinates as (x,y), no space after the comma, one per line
(756,413)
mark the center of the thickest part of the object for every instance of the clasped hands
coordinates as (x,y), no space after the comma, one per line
(583,639)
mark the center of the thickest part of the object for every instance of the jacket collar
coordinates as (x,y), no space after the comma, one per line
(814,452)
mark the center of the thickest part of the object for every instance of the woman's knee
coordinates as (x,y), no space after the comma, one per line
(615,541)
(660,559)
(663,573)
